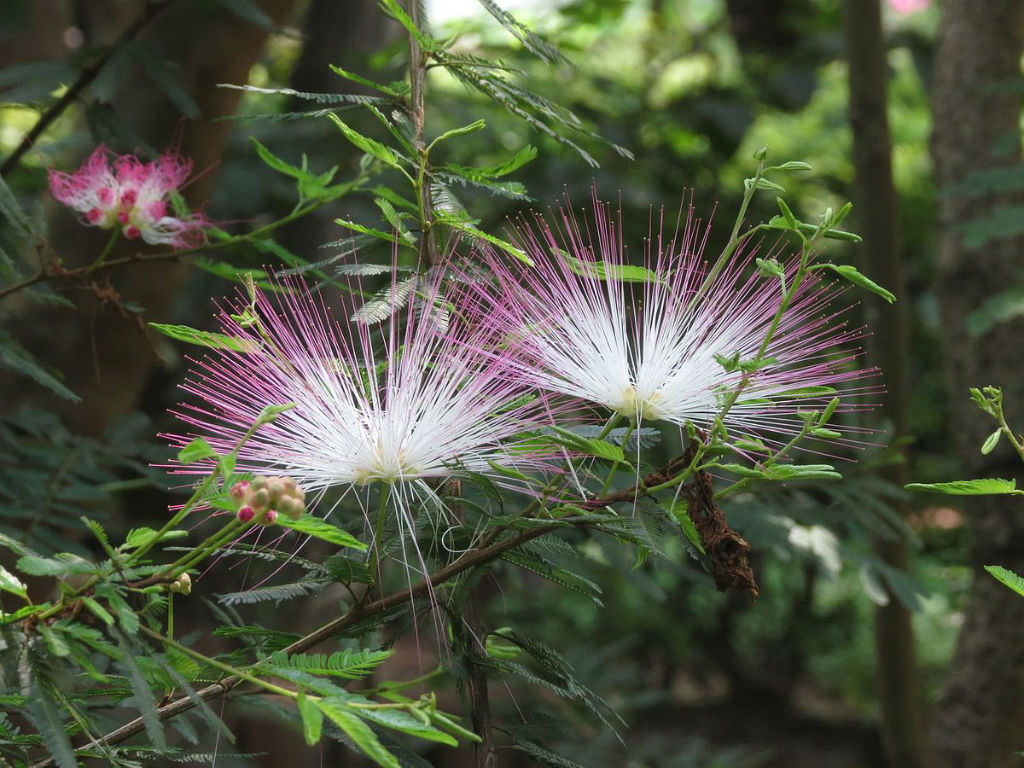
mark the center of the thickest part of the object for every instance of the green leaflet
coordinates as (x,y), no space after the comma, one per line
(320,529)
(1007,577)
(16,358)
(854,275)
(362,736)
(312,719)
(195,451)
(203,338)
(348,664)
(626,273)
(981,487)
(370,146)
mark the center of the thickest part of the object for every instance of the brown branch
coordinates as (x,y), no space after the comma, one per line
(57,272)
(355,615)
(87,75)
(651,479)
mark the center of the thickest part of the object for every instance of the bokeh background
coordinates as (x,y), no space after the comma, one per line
(910,109)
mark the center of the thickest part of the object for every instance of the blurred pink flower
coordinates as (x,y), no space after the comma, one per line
(131,194)
(904,7)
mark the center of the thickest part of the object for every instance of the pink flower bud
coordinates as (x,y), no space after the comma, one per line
(246,514)
(270,518)
(238,490)
(291,507)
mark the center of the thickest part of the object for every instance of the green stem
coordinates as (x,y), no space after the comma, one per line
(227,668)
(735,238)
(615,464)
(1018,445)
(378,531)
(106,250)
(205,549)
(390,687)
(178,516)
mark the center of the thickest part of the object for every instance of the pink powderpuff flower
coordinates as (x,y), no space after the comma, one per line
(424,402)
(642,343)
(906,7)
(132,195)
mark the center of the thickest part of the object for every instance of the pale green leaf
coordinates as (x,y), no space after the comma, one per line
(1007,577)
(195,451)
(204,338)
(982,487)
(321,529)
(853,275)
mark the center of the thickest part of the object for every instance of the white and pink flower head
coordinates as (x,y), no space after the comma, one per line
(647,340)
(132,195)
(415,401)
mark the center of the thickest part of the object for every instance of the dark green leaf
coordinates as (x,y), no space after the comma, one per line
(347,571)
(541,754)
(248,11)
(592,447)
(348,663)
(16,358)
(275,592)
(47,717)
(338,712)
(681,516)
(143,694)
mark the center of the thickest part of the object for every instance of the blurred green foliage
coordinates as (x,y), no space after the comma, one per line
(692,88)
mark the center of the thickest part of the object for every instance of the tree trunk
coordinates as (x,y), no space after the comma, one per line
(104,354)
(979,720)
(875,204)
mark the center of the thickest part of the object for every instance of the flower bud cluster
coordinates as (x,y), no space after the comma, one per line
(266,497)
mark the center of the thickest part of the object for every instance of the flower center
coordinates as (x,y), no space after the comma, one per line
(389,463)
(640,407)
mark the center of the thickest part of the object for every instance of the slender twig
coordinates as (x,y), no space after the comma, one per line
(87,75)
(355,615)
(417,106)
(57,272)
